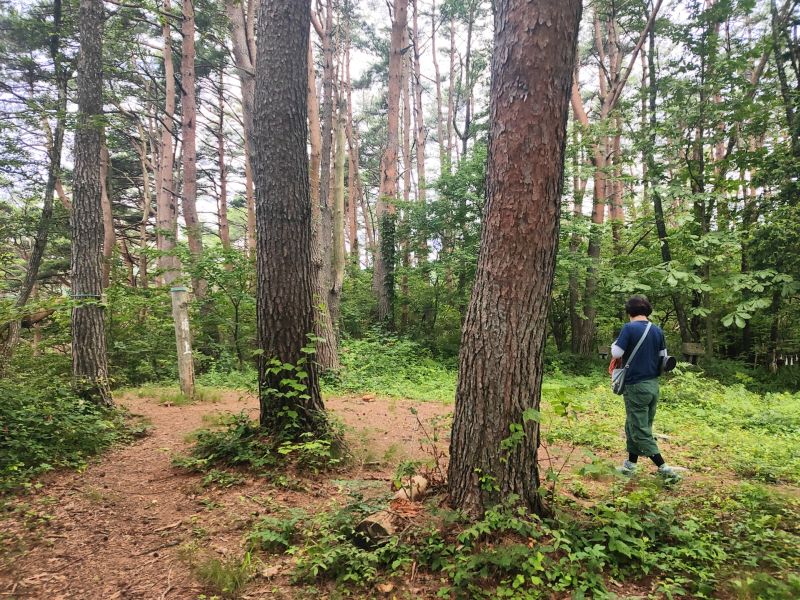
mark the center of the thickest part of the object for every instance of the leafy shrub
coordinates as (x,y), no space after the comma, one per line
(272,534)
(45,427)
(242,442)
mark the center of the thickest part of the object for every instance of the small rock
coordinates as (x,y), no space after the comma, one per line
(270,571)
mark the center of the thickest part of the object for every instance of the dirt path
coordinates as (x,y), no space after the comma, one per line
(125,528)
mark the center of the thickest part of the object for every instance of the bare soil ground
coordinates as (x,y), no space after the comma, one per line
(128,526)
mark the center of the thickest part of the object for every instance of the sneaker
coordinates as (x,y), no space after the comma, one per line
(628,469)
(671,474)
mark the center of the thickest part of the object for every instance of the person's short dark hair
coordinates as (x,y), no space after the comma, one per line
(637,306)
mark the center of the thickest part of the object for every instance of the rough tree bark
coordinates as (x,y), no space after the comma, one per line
(89,360)
(500,363)
(285,313)
(383,272)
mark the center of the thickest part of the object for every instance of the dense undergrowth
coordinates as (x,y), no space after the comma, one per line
(45,427)
(743,543)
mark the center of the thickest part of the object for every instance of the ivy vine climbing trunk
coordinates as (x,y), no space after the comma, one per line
(89,360)
(383,272)
(500,363)
(284,313)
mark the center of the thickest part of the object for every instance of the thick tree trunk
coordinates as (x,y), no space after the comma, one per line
(500,363)
(285,313)
(89,360)
(383,272)
(55,146)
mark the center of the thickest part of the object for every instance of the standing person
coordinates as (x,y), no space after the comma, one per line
(641,385)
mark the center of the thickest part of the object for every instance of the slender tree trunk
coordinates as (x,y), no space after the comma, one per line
(500,363)
(53,182)
(327,352)
(465,133)
(222,202)
(451,93)
(250,197)
(654,180)
(194,230)
(421,249)
(147,203)
(240,17)
(109,237)
(404,244)
(89,360)
(334,297)
(353,177)
(285,313)
(383,272)
(440,128)
(167,222)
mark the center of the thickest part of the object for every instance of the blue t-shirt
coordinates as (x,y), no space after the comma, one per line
(646,362)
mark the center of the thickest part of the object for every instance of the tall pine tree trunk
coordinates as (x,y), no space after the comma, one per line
(167,221)
(327,351)
(222,201)
(194,230)
(285,309)
(383,273)
(500,363)
(89,360)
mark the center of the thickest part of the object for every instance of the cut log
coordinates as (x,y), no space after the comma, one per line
(377,527)
(413,490)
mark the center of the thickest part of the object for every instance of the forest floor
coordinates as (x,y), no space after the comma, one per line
(134,526)
(131,525)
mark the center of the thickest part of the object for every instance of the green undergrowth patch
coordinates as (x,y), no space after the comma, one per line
(391,366)
(708,425)
(223,577)
(171,395)
(45,427)
(742,543)
(236,440)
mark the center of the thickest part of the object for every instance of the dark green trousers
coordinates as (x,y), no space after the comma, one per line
(641,400)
